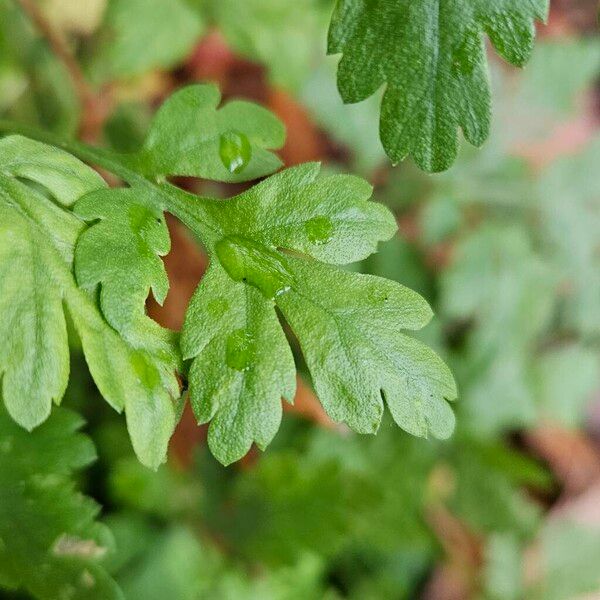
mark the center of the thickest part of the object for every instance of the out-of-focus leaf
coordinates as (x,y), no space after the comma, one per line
(567,378)
(137,36)
(50,543)
(570,210)
(570,555)
(287,37)
(499,283)
(503,575)
(490,471)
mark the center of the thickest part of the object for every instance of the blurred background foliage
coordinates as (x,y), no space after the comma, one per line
(505,246)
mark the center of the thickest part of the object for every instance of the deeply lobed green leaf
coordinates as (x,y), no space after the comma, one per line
(191,136)
(349,326)
(430,56)
(37,239)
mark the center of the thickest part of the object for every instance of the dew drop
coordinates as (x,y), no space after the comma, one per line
(319,230)
(239,350)
(252,263)
(235,151)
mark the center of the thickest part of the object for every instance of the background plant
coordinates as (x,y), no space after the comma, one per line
(503,246)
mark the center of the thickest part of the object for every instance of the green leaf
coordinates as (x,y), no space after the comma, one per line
(566,379)
(191,136)
(37,238)
(349,325)
(50,543)
(350,330)
(60,173)
(242,365)
(570,553)
(431,57)
(572,229)
(122,252)
(284,36)
(490,470)
(292,506)
(505,287)
(163,35)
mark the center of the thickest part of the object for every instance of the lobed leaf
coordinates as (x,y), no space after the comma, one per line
(37,238)
(191,136)
(430,56)
(242,364)
(349,325)
(137,36)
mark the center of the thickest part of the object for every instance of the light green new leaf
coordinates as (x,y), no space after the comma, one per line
(501,283)
(191,136)
(50,544)
(37,238)
(137,36)
(431,57)
(566,379)
(349,325)
(243,364)
(121,252)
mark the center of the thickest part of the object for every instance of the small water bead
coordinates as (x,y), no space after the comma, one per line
(319,230)
(239,350)
(249,262)
(235,151)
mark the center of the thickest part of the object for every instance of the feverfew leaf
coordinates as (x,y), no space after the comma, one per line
(566,379)
(349,325)
(431,57)
(501,283)
(59,172)
(50,543)
(191,136)
(37,238)
(350,330)
(242,364)
(121,252)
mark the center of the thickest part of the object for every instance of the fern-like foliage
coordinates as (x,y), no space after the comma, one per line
(430,55)
(276,247)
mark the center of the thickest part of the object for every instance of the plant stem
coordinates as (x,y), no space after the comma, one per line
(188,208)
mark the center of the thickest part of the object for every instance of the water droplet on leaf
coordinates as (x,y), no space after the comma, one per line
(239,350)
(319,230)
(235,151)
(250,262)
